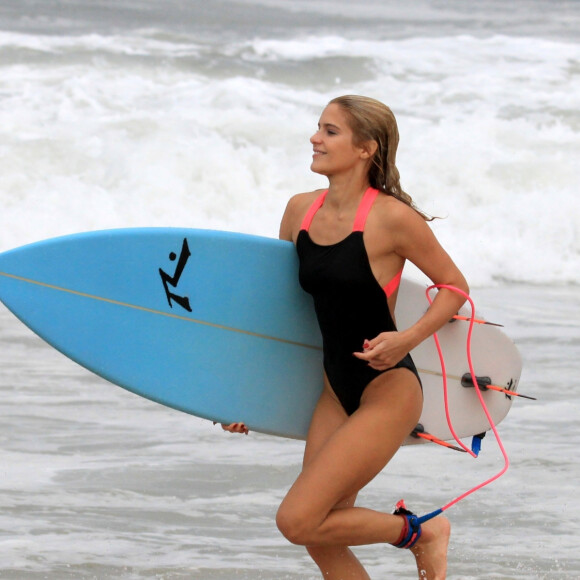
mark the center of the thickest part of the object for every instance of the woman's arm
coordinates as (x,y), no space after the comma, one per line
(287,223)
(417,243)
(414,241)
(291,220)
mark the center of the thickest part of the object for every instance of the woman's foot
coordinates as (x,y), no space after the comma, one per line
(431,550)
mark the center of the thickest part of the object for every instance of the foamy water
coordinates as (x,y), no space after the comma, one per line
(97,483)
(147,127)
(198,114)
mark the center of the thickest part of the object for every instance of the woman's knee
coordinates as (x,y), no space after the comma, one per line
(295,527)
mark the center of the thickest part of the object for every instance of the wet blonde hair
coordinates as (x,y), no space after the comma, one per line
(371,120)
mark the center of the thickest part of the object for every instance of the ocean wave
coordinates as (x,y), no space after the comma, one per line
(137,44)
(139,129)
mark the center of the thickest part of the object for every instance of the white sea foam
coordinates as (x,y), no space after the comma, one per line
(140,130)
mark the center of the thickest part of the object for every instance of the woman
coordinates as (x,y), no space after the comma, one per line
(353,240)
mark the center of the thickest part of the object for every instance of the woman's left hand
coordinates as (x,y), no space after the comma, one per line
(384,351)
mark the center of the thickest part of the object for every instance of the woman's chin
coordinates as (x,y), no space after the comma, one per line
(316,168)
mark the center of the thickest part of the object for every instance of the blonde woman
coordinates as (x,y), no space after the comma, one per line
(352,241)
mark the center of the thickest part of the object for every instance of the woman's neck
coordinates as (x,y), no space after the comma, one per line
(344,193)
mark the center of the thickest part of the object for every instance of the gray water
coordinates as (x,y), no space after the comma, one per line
(99,483)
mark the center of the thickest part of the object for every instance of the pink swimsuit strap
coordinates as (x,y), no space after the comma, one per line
(359,225)
(364,208)
(312,211)
(361,214)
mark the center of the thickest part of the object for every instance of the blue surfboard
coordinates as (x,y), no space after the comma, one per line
(215,324)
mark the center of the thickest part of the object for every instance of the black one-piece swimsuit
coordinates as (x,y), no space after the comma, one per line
(350,304)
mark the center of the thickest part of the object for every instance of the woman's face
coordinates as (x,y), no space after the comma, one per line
(334,151)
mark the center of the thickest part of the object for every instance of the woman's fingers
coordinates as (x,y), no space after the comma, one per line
(235,428)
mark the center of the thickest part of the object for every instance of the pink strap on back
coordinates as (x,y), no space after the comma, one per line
(359,226)
(364,208)
(312,211)
(393,284)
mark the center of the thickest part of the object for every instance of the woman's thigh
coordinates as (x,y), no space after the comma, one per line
(329,415)
(346,454)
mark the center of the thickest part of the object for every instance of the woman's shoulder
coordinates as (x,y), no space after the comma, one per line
(306,198)
(296,209)
(299,203)
(390,208)
(396,217)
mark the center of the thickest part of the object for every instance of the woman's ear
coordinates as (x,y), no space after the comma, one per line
(368,149)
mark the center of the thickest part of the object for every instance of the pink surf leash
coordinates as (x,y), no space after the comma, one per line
(471,319)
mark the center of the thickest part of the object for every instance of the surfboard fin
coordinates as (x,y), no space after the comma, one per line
(476,443)
(419,432)
(476,320)
(484,383)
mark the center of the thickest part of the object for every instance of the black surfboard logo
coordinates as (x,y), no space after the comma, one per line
(173,281)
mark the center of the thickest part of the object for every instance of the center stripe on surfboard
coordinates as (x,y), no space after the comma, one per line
(160,312)
(185,318)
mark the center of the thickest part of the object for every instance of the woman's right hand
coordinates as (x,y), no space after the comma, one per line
(235,428)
